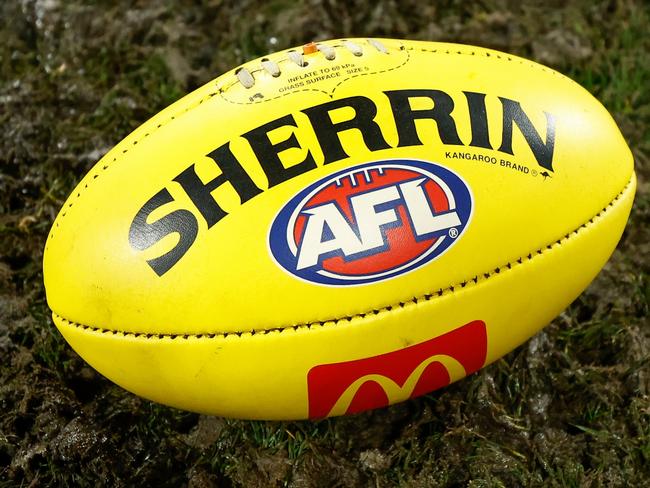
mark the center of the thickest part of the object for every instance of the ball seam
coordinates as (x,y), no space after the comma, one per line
(386,309)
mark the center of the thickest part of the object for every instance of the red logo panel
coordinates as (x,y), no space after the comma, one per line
(328,383)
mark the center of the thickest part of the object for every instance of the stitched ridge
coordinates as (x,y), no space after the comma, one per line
(219,90)
(333,322)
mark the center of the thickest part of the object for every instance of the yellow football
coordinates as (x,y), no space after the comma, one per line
(338,227)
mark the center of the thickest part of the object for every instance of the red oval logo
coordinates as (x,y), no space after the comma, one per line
(371,222)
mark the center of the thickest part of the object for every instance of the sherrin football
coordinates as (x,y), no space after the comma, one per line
(338,227)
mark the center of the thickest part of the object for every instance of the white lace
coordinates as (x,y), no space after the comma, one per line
(353,48)
(273,68)
(378,46)
(297,58)
(327,51)
(245,77)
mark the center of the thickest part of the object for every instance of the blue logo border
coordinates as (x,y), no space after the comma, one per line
(282,255)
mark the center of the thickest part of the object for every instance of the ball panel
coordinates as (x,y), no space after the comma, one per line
(236,374)
(94,275)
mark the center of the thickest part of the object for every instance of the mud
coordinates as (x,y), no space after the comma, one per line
(568,408)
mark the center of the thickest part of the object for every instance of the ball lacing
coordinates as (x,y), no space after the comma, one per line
(247,80)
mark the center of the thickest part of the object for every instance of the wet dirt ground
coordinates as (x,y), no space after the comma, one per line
(568,408)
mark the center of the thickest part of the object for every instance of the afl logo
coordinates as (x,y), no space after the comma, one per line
(371,222)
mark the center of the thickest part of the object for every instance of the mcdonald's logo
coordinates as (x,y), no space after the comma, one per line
(364,384)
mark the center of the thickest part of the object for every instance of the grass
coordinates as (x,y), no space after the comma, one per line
(569,408)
